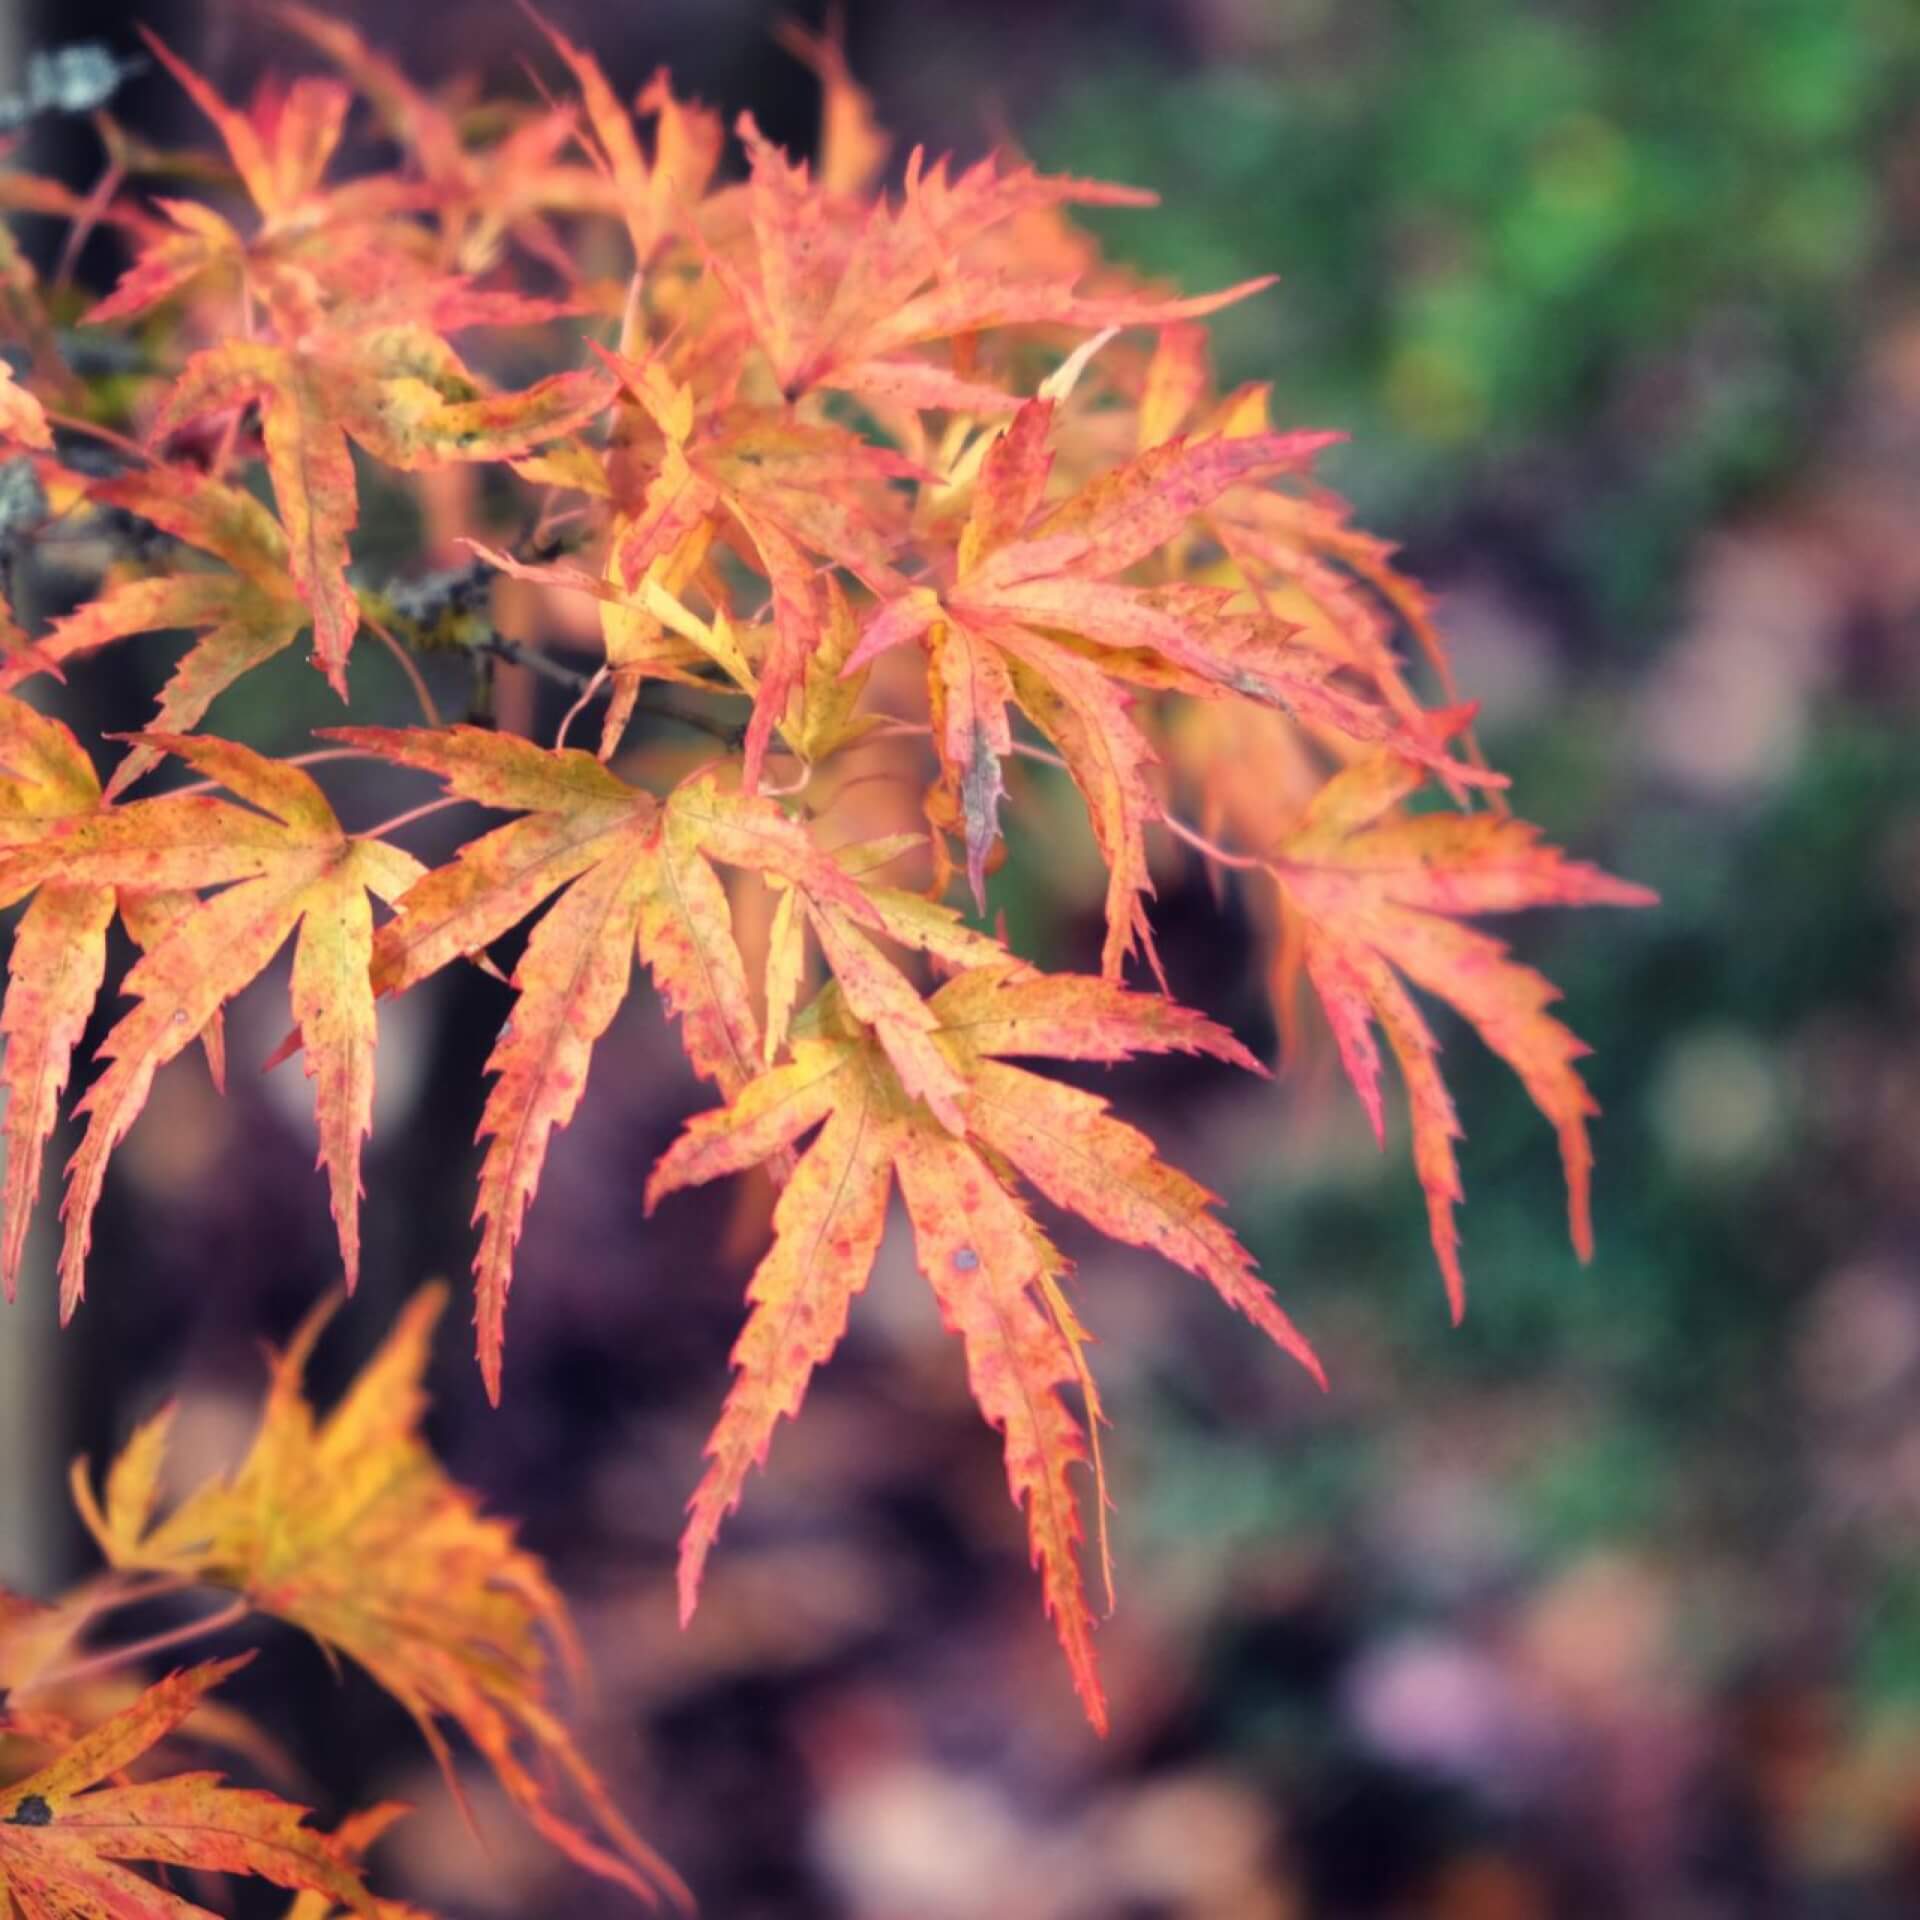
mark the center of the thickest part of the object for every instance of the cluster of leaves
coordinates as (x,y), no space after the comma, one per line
(348,1529)
(927,491)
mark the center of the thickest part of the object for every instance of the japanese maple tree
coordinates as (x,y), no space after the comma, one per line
(881,493)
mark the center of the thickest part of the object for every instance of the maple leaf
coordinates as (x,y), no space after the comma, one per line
(1022,576)
(280,151)
(54,972)
(909,920)
(63,1834)
(294,868)
(244,616)
(407,112)
(1376,895)
(1299,552)
(479,194)
(354,1836)
(818,451)
(992,1270)
(652,196)
(639,878)
(836,303)
(59,953)
(349,1529)
(786,489)
(853,146)
(403,394)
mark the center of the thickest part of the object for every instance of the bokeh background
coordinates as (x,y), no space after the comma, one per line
(1607,1603)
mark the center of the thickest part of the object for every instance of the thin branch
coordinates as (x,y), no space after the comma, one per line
(501,648)
(109,1592)
(1240,862)
(1045,755)
(898,729)
(99,197)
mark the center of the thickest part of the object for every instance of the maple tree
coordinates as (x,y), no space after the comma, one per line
(890,495)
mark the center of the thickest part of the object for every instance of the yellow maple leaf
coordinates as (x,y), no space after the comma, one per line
(349,1528)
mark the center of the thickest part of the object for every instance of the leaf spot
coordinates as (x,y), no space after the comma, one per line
(31,1812)
(965,1260)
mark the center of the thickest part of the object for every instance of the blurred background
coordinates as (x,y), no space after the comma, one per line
(1607,1603)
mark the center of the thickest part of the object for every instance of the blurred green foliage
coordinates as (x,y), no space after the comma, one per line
(1529,252)
(1588,283)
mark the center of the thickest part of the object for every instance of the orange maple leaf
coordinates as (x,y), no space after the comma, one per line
(354,1836)
(1376,894)
(63,1835)
(652,196)
(640,878)
(506,188)
(991,1268)
(59,953)
(244,615)
(295,869)
(280,150)
(1285,543)
(1023,575)
(783,489)
(397,388)
(836,302)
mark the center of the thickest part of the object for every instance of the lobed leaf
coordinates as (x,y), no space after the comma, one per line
(1376,893)
(349,1529)
(991,1269)
(65,1830)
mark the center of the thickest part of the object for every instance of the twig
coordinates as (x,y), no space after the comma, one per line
(501,648)
(1240,862)
(99,197)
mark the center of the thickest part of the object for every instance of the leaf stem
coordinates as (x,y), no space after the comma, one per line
(316,757)
(404,660)
(75,423)
(1240,862)
(234,1611)
(593,686)
(894,728)
(585,685)
(412,814)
